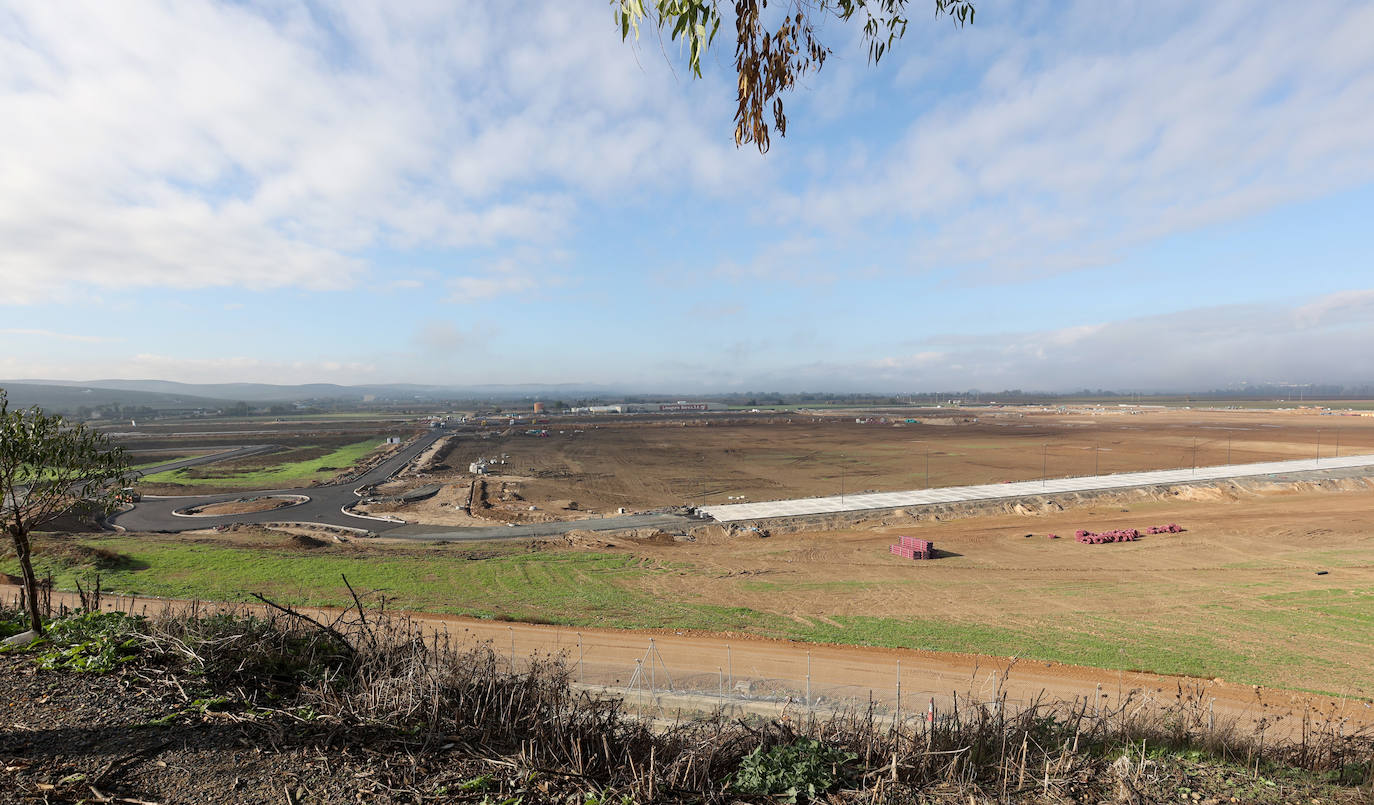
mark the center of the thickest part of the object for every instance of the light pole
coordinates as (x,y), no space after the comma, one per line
(1338,443)
(1195,455)
(841,480)
(1044,463)
(1096,455)
(1319,445)
(1228,449)
(927,466)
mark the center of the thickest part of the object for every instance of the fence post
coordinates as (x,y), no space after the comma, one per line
(581,678)
(899,690)
(653,685)
(808,679)
(730,664)
(512,648)
(1211,719)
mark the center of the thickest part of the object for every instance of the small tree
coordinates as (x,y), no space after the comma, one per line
(47,466)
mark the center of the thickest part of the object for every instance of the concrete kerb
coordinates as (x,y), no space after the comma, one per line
(296,500)
(347,509)
(361,532)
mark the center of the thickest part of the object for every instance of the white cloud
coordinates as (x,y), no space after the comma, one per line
(51,335)
(523,272)
(445,338)
(1089,134)
(200,144)
(235,368)
(1319,341)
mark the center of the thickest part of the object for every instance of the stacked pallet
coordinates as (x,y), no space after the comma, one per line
(912,548)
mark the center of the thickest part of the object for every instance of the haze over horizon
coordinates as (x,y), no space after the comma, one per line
(1152,195)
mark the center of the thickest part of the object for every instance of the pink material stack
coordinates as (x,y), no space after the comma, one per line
(1171,528)
(1115,535)
(912,548)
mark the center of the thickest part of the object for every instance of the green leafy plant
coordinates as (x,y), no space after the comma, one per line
(804,769)
(93,642)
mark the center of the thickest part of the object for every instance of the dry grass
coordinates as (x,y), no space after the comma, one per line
(369,676)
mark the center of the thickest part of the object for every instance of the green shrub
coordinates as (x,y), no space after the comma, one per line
(95,642)
(804,769)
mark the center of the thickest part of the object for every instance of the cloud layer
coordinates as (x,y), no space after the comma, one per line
(201,144)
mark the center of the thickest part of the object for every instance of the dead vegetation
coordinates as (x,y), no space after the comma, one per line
(444,722)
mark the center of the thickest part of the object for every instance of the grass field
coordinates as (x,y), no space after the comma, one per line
(503,581)
(1237,596)
(278,470)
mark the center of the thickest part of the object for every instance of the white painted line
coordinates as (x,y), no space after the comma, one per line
(952,494)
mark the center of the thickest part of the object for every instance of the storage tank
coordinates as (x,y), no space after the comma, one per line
(539,408)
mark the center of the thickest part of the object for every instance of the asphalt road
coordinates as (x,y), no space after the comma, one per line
(326,504)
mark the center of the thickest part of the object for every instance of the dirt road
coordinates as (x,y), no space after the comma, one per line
(749,668)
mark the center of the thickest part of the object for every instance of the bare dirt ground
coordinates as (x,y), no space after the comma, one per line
(245,506)
(447,507)
(1242,581)
(692,662)
(645,465)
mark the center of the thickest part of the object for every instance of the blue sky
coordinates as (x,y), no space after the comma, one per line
(1158,195)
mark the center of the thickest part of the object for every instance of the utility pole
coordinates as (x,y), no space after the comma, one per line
(1195,455)
(1319,445)
(841,480)
(1044,463)
(1228,448)
(1338,443)
(927,466)
(1096,455)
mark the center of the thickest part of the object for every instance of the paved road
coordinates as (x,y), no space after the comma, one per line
(1022,489)
(326,504)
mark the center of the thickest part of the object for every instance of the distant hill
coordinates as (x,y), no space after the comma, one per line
(68,398)
(69,394)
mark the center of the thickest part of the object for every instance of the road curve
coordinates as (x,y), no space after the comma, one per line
(324,507)
(326,503)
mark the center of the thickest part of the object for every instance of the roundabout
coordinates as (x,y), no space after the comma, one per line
(244,505)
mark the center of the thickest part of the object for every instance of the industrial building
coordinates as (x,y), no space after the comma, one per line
(679,407)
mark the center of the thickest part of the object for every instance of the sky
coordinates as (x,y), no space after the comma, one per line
(1151,195)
